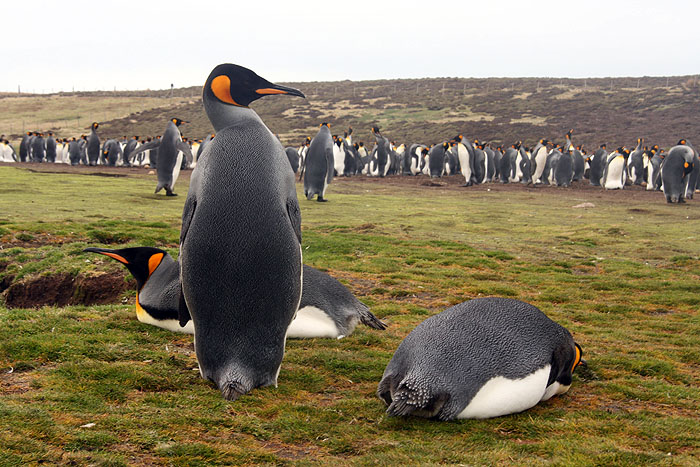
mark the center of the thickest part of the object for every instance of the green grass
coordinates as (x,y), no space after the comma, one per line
(625,283)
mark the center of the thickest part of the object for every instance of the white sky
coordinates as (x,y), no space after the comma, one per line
(57,45)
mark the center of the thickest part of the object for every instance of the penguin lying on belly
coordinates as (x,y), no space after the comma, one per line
(483,358)
(327,309)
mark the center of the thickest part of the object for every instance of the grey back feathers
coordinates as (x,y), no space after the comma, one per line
(441,366)
(318,171)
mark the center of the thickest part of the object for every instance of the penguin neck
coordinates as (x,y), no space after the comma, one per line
(224,115)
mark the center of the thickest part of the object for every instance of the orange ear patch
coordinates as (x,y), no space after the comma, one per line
(221,87)
(577,359)
(154,262)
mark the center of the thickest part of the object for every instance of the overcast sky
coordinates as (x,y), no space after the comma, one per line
(88,45)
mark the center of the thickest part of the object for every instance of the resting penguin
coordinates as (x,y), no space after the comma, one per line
(111,152)
(93,145)
(171,150)
(240,243)
(318,169)
(327,308)
(652,162)
(675,171)
(129,148)
(694,176)
(483,358)
(157,277)
(615,173)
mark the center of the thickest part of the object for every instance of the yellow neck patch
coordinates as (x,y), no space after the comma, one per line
(221,87)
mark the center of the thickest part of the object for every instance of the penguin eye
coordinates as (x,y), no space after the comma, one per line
(221,87)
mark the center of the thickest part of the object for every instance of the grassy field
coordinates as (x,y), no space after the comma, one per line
(623,277)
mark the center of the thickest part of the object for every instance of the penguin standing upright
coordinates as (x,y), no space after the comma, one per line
(240,243)
(479,163)
(579,163)
(129,148)
(465,154)
(7,152)
(437,160)
(564,169)
(524,164)
(382,162)
(93,145)
(24,147)
(539,160)
(171,151)
(597,163)
(506,168)
(483,358)
(293,156)
(635,163)
(318,168)
(338,157)
(38,148)
(652,168)
(694,176)
(615,171)
(50,148)
(675,170)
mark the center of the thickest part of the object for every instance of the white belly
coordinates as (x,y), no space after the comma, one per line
(176,169)
(541,161)
(614,179)
(169,324)
(312,322)
(503,396)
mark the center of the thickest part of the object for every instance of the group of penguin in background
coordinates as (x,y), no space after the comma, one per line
(677,172)
(242,295)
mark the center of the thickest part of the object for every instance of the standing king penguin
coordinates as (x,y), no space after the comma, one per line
(93,145)
(171,150)
(483,358)
(319,163)
(240,243)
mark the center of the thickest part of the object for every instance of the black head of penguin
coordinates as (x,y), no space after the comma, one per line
(94,125)
(140,261)
(178,121)
(239,86)
(682,142)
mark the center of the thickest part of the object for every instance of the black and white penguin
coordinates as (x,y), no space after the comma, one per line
(130,146)
(479,163)
(615,171)
(383,162)
(523,165)
(293,156)
(50,148)
(38,148)
(111,152)
(240,243)
(171,151)
(93,145)
(319,164)
(652,168)
(24,147)
(483,358)
(577,155)
(327,308)
(157,277)
(506,169)
(437,160)
(563,169)
(675,172)
(635,164)
(490,163)
(539,160)
(338,157)
(597,164)
(7,152)
(465,155)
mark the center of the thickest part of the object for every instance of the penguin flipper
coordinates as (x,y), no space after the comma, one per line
(368,319)
(294,216)
(330,163)
(145,147)
(186,150)
(183,313)
(187,214)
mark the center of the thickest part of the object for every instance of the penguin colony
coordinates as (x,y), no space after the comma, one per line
(479,359)
(325,156)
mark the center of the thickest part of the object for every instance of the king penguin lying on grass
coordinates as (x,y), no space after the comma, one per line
(483,358)
(328,309)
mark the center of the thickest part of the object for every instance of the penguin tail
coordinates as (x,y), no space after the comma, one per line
(368,319)
(232,390)
(412,399)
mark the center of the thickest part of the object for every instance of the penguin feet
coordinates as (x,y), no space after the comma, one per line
(170,193)
(321,199)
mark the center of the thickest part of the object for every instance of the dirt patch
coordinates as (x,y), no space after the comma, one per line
(66,289)
(16,382)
